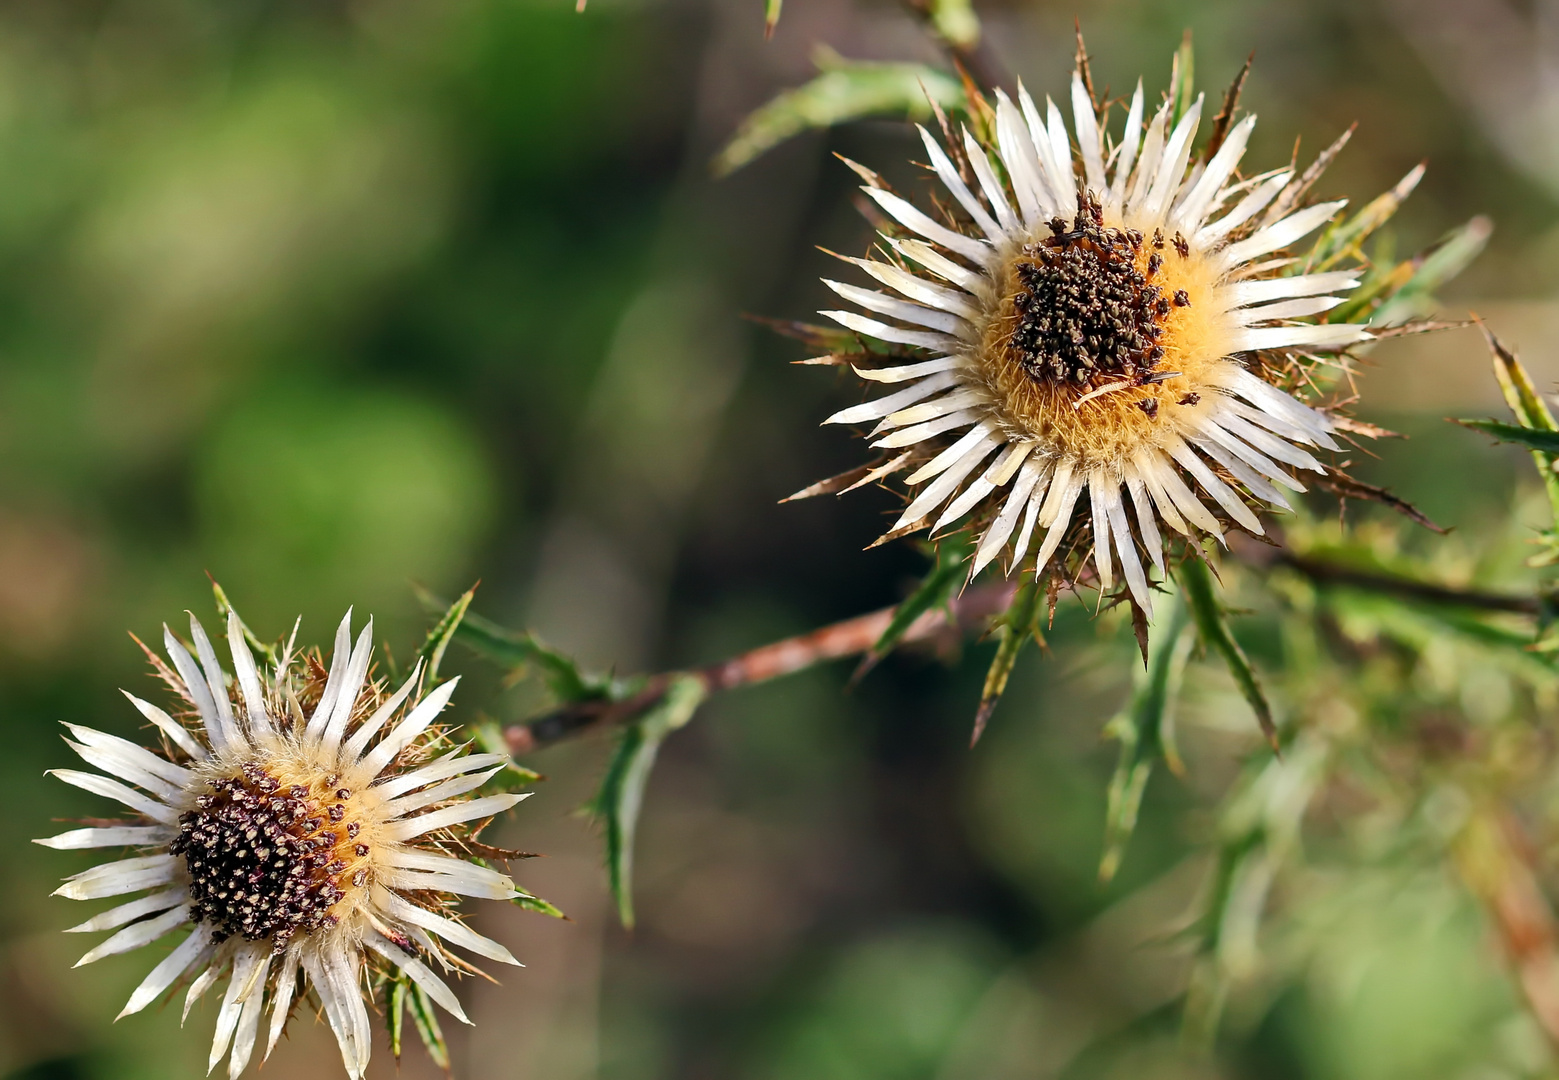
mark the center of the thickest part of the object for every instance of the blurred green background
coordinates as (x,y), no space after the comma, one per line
(328,297)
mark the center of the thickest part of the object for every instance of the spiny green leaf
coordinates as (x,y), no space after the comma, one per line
(1531,414)
(1343,239)
(522,899)
(1453,254)
(621,795)
(224,606)
(397,1017)
(1013,627)
(537,904)
(1519,390)
(427,1025)
(1196,583)
(1448,258)
(1382,280)
(1145,729)
(516,650)
(1182,79)
(443,631)
(955,22)
(843,90)
(1539,439)
(947,573)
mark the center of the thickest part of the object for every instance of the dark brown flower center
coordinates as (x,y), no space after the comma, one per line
(264,858)
(1085,304)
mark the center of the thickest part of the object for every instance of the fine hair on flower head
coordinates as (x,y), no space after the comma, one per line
(1097,319)
(305,828)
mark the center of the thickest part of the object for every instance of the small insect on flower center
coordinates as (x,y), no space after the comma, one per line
(269,858)
(1084,302)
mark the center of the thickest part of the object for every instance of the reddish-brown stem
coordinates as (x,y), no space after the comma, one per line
(966,614)
(970,612)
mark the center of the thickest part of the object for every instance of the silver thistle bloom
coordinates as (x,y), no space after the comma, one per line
(1091,319)
(307,826)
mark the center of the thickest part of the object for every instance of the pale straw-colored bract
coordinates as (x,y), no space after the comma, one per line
(288,844)
(999,446)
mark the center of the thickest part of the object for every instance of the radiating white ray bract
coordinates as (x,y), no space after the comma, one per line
(348,747)
(1241,429)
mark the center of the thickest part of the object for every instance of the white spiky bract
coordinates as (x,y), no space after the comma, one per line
(973,427)
(401,806)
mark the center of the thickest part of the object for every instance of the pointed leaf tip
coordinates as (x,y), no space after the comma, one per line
(442,633)
(935,590)
(621,795)
(1146,729)
(844,91)
(1013,627)
(1213,628)
(517,650)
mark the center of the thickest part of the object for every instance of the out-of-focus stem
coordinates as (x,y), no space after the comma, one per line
(966,614)
(1322,572)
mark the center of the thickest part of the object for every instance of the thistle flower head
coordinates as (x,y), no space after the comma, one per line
(1092,321)
(304,826)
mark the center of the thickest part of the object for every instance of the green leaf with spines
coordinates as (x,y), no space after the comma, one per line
(224,606)
(522,899)
(1378,282)
(621,796)
(442,632)
(946,575)
(1145,729)
(1537,439)
(1532,414)
(516,650)
(397,1013)
(1343,239)
(842,91)
(1196,583)
(1414,296)
(537,904)
(1013,627)
(427,1024)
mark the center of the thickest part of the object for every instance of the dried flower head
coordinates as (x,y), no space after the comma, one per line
(1092,318)
(307,824)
